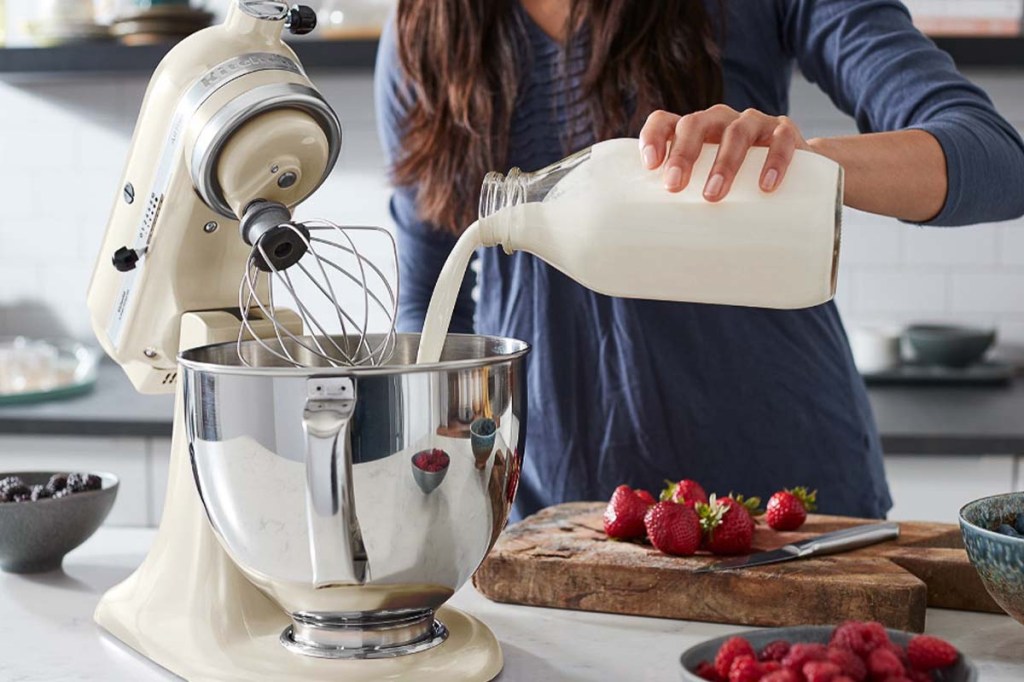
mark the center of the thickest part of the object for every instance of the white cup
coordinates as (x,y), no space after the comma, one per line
(875,349)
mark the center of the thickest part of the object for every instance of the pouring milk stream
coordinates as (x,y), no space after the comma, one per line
(601,218)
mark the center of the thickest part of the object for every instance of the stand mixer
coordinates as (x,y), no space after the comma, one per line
(301,538)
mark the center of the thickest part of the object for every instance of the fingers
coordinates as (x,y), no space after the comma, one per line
(750,128)
(691,133)
(785,139)
(655,137)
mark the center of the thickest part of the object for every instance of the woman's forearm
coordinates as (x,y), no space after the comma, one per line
(900,174)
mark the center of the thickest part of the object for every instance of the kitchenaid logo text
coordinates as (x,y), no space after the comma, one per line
(245,63)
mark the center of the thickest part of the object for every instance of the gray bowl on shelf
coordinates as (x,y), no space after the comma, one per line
(962,671)
(948,345)
(35,536)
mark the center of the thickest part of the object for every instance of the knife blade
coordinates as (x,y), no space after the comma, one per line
(828,543)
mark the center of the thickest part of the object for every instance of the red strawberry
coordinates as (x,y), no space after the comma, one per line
(801,654)
(728,526)
(706,671)
(774,651)
(731,649)
(685,490)
(821,671)
(787,509)
(784,675)
(883,664)
(928,653)
(624,516)
(849,663)
(673,528)
(744,668)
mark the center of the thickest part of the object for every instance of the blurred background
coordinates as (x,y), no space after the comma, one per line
(72,77)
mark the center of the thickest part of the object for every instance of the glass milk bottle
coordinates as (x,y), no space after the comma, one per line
(609,223)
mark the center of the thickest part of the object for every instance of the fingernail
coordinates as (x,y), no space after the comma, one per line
(714,186)
(650,156)
(674,177)
(770,180)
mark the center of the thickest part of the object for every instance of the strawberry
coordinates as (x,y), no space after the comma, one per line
(728,526)
(774,651)
(928,653)
(744,669)
(883,664)
(624,516)
(801,654)
(821,671)
(673,528)
(849,663)
(731,649)
(685,490)
(784,675)
(787,509)
(706,671)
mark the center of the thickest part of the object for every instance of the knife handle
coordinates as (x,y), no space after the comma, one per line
(850,538)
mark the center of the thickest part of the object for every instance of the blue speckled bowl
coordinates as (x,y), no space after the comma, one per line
(998,558)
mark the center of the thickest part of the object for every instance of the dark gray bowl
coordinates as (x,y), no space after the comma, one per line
(999,559)
(948,345)
(963,671)
(35,536)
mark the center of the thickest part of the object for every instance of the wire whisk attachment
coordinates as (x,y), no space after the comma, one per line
(322,272)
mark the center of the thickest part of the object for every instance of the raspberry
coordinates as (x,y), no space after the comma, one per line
(774,651)
(928,653)
(731,649)
(801,654)
(744,669)
(770,667)
(821,671)
(843,678)
(859,637)
(920,676)
(849,663)
(883,663)
(783,675)
(874,634)
(706,671)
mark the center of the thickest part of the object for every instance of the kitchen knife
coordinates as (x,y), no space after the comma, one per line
(829,543)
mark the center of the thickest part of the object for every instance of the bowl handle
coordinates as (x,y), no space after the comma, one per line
(336,545)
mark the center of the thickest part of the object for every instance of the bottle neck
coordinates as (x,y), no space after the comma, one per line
(498,192)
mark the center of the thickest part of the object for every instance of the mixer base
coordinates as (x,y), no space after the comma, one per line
(195,652)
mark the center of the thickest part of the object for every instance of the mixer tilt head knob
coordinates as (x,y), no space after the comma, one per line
(124,259)
(301,20)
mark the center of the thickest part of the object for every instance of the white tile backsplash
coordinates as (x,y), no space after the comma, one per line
(63,145)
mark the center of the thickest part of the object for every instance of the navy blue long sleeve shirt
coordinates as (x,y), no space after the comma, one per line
(746,400)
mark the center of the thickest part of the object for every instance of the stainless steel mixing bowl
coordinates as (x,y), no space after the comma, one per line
(307,479)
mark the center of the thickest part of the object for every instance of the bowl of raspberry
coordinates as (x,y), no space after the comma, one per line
(429,468)
(46,514)
(853,650)
(993,531)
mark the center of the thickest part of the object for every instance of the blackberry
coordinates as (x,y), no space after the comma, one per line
(1007,529)
(10,482)
(17,492)
(76,483)
(23,497)
(1018,523)
(63,492)
(57,482)
(40,492)
(93,482)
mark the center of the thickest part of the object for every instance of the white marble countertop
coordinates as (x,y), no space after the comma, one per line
(47,633)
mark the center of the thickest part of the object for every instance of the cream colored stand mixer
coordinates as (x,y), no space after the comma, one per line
(303,537)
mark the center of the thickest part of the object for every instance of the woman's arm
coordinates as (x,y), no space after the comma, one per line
(939,153)
(422,248)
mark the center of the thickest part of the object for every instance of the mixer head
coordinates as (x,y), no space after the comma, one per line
(321,271)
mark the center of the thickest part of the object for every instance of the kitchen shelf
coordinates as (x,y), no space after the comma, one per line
(358,55)
(113,58)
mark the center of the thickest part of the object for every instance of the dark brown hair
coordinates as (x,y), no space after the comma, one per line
(462,59)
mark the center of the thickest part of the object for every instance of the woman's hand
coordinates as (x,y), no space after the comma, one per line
(682,138)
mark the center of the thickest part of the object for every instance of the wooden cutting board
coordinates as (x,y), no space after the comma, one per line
(561,558)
